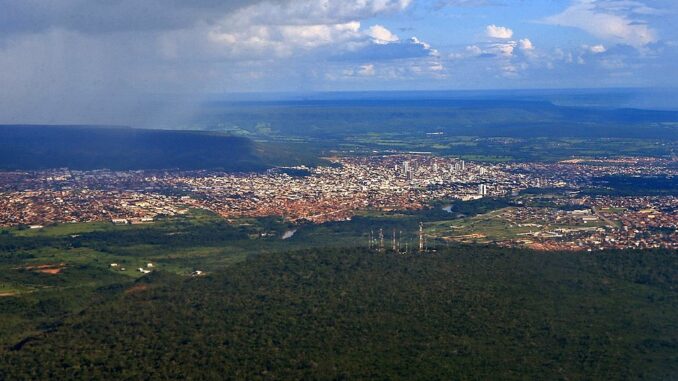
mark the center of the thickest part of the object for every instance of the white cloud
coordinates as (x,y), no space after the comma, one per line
(474,50)
(381,35)
(328,38)
(416,41)
(613,21)
(366,70)
(436,66)
(365,48)
(494,31)
(597,49)
(526,44)
(281,40)
(504,58)
(502,49)
(281,29)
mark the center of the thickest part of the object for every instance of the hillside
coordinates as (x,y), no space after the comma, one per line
(474,129)
(29,147)
(462,117)
(466,313)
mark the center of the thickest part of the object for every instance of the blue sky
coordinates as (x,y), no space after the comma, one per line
(62,57)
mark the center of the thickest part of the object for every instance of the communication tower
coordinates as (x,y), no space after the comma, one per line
(381,240)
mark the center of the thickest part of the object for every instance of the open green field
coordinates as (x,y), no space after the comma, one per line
(498,149)
(485,228)
(58,230)
(497,226)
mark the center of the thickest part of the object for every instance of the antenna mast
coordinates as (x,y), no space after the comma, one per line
(381,240)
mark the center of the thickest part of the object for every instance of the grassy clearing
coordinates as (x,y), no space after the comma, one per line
(59,230)
(8,289)
(494,226)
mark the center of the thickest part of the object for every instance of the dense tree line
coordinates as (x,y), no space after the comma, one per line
(620,185)
(464,313)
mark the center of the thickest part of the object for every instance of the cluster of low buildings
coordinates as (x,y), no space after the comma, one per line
(337,192)
(44,206)
(597,224)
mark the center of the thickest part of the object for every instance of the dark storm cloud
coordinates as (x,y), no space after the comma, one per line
(105,16)
(100,61)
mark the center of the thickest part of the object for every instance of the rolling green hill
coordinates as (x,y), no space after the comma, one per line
(338,119)
(475,129)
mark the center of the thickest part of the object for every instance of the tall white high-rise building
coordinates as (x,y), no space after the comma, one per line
(482,190)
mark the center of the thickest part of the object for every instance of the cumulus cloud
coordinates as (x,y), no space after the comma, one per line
(596,49)
(396,50)
(328,29)
(501,56)
(616,21)
(501,49)
(474,50)
(381,35)
(615,59)
(526,44)
(607,60)
(505,49)
(366,70)
(285,28)
(501,32)
(93,61)
(346,41)
(264,41)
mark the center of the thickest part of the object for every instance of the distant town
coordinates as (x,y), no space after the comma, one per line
(569,219)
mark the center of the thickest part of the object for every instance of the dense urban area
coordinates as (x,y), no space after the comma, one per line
(572,219)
